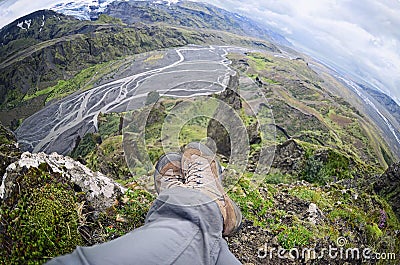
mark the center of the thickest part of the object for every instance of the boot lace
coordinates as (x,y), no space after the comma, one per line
(193,176)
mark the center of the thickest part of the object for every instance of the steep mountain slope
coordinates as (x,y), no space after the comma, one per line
(385,101)
(179,13)
(191,14)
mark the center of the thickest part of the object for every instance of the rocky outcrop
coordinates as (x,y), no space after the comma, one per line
(50,204)
(215,130)
(303,216)
(288,157)
(218,132)
(388,186)
(221,137)
(99,190)
(230,95)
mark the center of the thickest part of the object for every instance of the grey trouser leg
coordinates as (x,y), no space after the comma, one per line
(182,227)
(225,256)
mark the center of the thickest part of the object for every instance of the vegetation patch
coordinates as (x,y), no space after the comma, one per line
(320,169)
(41,221)
(129,214)
(294,236)
(253,205)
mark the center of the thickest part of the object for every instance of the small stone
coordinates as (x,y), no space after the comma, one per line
(312,213)
(120,219)
(125,199)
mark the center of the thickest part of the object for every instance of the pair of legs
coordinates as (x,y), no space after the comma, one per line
(185,223)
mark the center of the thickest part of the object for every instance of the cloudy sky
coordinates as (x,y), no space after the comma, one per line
(361,37)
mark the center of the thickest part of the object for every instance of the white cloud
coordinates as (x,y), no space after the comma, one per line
(12,9)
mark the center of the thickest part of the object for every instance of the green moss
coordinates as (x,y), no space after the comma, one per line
(347,214)
(259,61)
(82,81)
(270,81)
(194,130)
(388,159)
(108,20)
(306,194)
(85,146)
(278,177)
(42,220)
(12,99)
(294,236)
(136,207)
(38,93)
(322,169)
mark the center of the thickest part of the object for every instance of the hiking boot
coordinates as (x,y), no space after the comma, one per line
(202,171)
(168,172)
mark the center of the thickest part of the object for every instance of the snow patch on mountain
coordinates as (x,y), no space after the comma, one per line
(27,22)
(169,2)
(90,9)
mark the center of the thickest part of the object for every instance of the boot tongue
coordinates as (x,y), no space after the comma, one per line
(171,169)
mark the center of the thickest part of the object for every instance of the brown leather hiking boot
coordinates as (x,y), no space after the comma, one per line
(202,171)
(168,172)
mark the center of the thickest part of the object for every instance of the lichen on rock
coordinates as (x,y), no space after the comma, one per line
(99,190)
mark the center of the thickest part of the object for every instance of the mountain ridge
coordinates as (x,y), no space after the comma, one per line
(192,14)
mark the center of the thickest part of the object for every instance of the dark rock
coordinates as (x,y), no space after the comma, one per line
(259,82)
(157,114)
(288,156)
(9,151)
(388,186)
(254,133)
(215,129)
(219,134)
(230,94)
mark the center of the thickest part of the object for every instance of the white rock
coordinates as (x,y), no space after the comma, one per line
(100,190)
(312,213)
